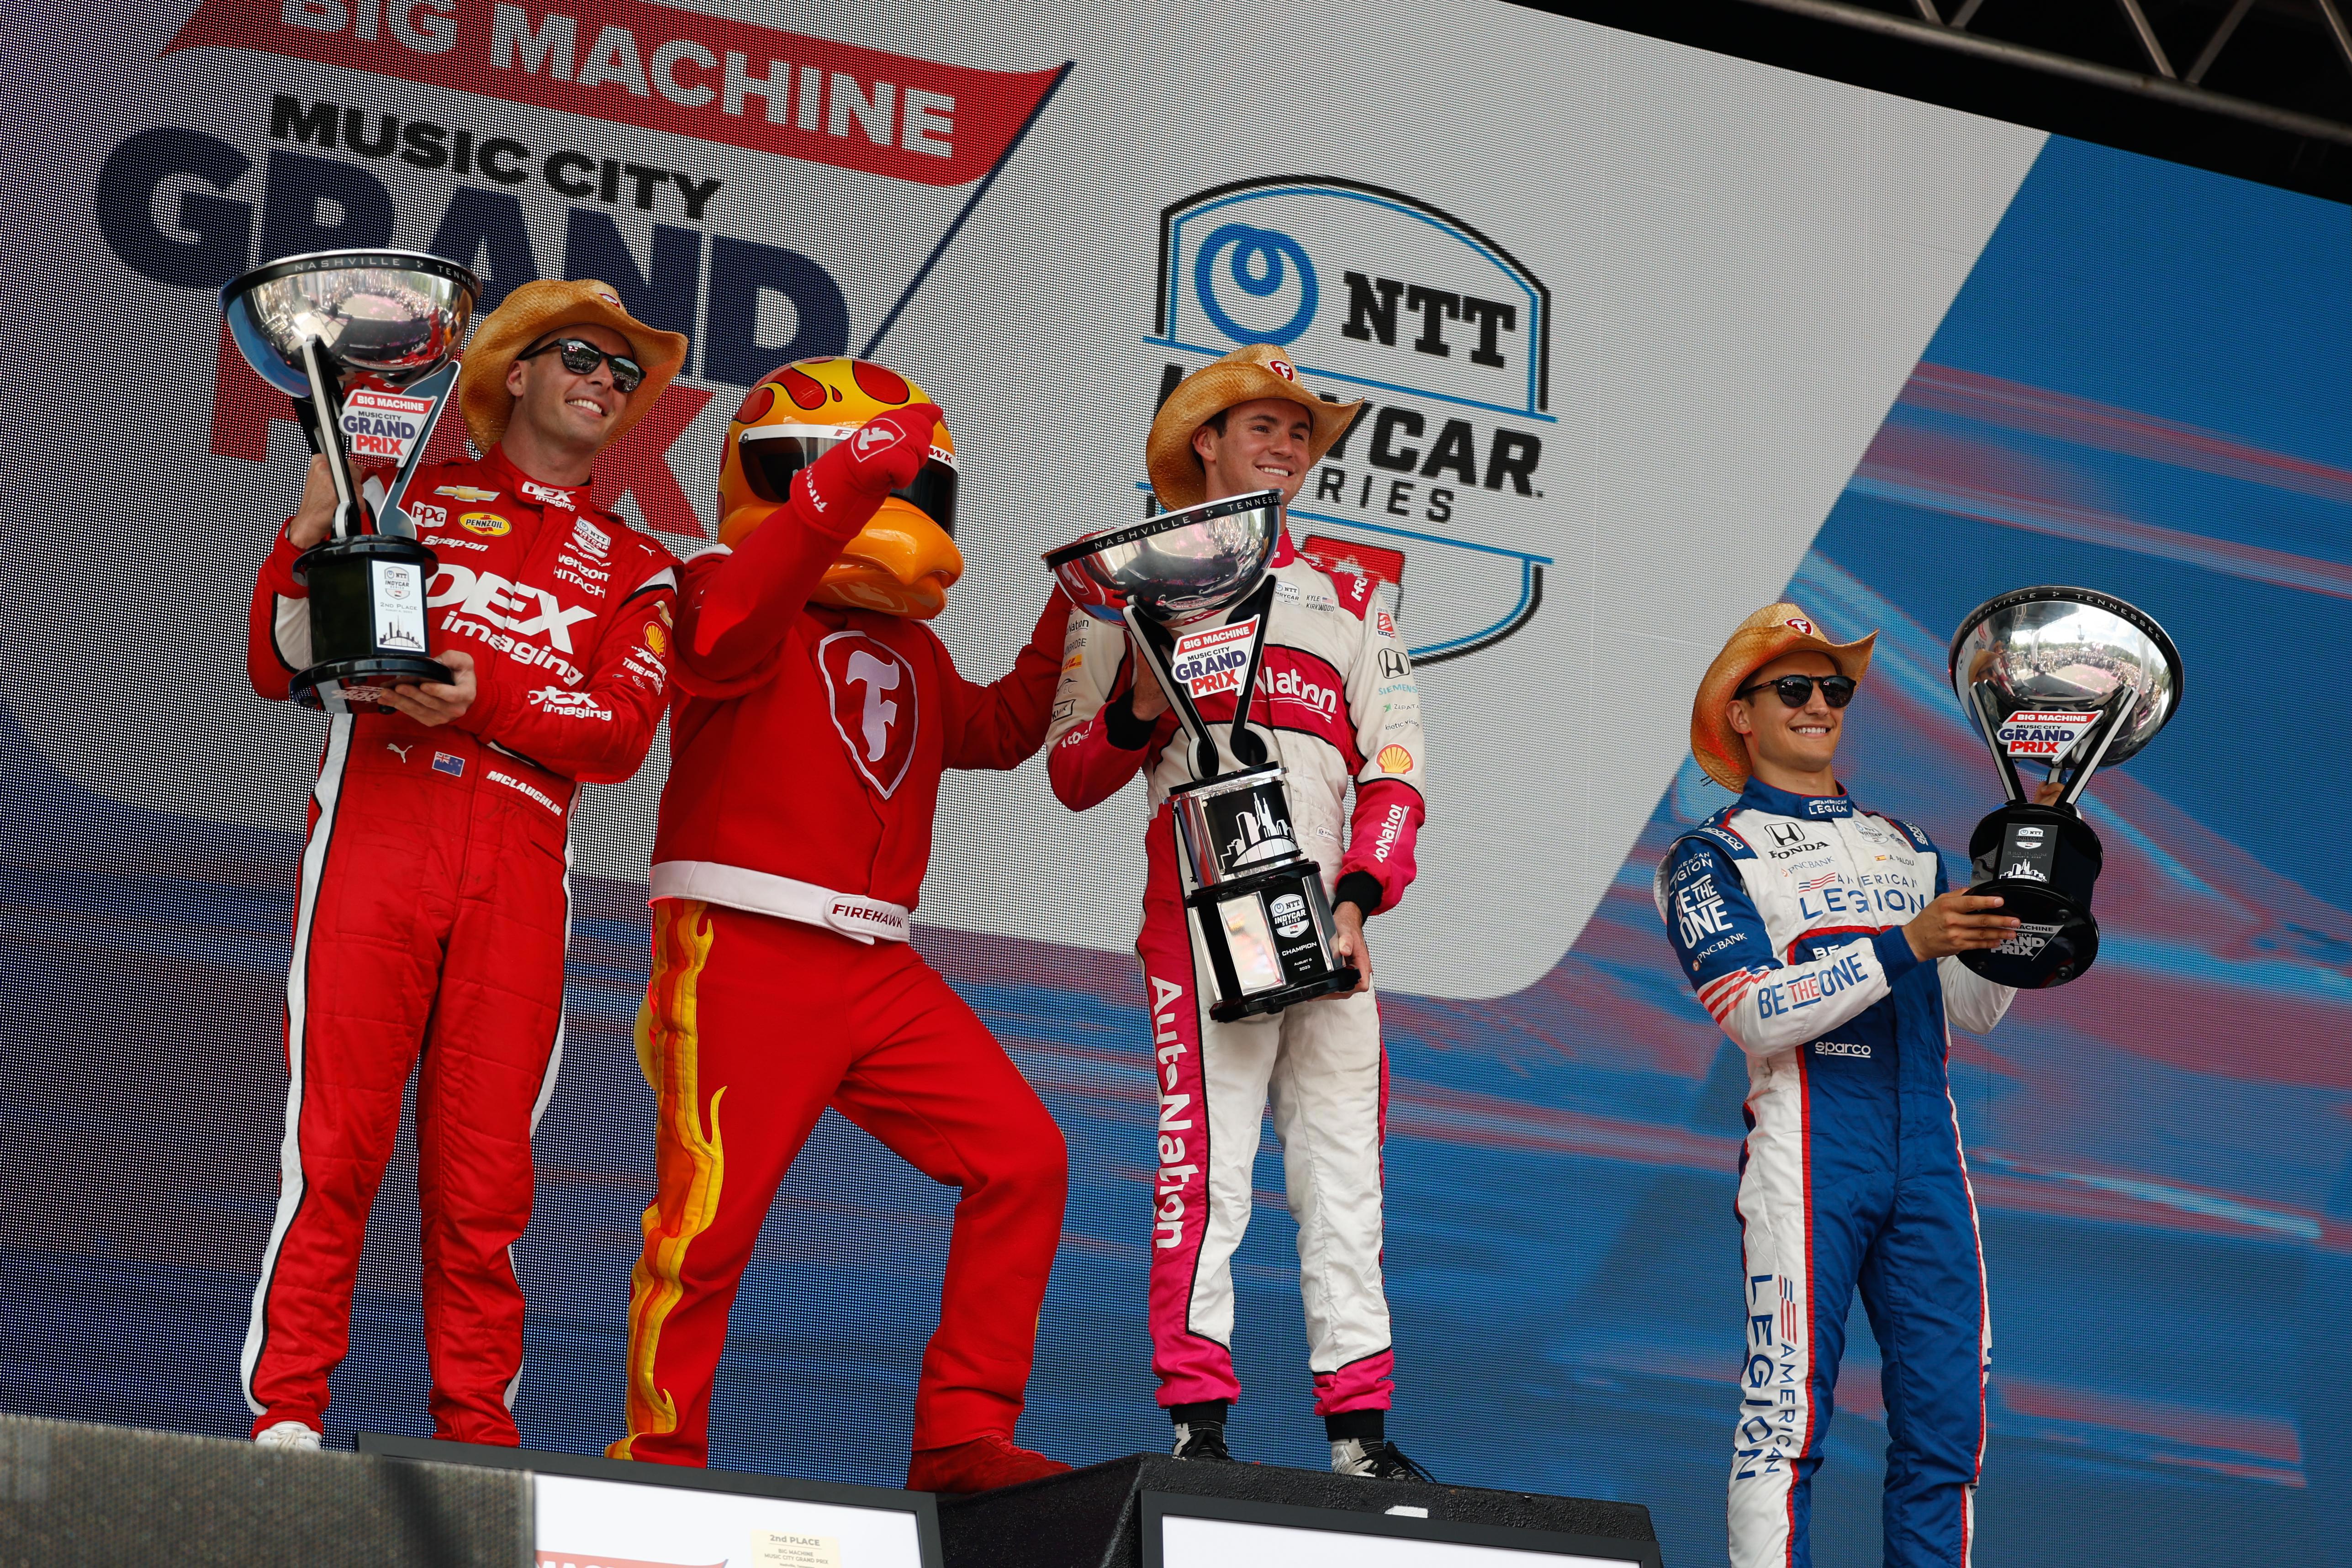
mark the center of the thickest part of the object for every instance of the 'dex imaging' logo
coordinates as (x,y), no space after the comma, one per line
(1377,295)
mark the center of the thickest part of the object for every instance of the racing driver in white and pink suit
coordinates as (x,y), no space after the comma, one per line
(1336,694)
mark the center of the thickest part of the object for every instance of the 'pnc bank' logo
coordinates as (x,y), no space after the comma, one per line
(1375,294)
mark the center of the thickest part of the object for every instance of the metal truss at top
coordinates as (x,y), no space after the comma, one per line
(2262,88)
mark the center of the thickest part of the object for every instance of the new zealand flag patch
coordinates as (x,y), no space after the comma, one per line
(454,767)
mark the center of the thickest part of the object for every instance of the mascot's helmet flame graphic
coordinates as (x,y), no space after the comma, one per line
(906,558)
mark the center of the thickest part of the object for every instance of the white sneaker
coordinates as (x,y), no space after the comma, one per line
(289,1435)
(1376,1459)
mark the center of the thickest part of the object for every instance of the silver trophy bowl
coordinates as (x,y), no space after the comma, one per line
(1175,566)
(2067,651)
(393,314)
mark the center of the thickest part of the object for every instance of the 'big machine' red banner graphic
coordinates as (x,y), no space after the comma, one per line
(676,71)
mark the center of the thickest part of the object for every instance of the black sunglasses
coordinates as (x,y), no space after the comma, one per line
(769,461)
(581,357)
(1796,691)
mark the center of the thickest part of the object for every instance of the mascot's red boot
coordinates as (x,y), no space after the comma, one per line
(815,714)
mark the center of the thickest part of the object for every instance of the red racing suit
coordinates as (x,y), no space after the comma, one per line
(433,907)
(807,748)
(1337,694)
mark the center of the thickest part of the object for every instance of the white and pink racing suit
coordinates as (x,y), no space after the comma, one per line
(1335,696)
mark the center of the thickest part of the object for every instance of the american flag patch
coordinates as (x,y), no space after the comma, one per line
(1817,884)
(442,762)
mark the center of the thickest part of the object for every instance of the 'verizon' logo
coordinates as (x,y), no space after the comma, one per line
(1372,293)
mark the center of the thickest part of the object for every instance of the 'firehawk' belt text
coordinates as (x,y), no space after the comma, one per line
(854,915)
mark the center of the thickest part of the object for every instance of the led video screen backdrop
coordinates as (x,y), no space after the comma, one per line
(1648,336)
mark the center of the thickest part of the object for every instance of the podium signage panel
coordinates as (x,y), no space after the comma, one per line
(1188,1531)
(580,1522)
(594,1513)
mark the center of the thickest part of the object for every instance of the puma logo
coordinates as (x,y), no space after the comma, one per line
(404,750)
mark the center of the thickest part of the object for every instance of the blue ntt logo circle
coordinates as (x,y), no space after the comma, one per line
(1259,261)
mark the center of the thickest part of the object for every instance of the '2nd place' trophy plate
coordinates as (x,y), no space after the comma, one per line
(2075,680)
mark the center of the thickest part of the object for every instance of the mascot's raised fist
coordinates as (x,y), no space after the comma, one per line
(885,455)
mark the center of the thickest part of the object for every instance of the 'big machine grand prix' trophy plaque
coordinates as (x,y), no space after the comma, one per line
(307,324)
(2075,680)
(1193,590)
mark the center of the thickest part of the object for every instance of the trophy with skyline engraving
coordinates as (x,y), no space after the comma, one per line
(1193,590)
(2077,681)
(392,322)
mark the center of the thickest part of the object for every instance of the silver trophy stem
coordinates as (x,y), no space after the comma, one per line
(394,517)
(325,399)
(1987,711)
(1203,750)
(2118,702)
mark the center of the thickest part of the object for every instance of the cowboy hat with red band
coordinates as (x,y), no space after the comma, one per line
(537,310)
(1245,375)
(1772,632)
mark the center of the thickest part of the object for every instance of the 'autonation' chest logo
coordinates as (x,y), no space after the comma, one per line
(1375,294)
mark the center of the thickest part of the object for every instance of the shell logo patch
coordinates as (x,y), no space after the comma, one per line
(1395,760)
(656,637)
(1799,623)
(467,493)
(490,525)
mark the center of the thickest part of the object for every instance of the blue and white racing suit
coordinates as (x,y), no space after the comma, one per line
(1786,913)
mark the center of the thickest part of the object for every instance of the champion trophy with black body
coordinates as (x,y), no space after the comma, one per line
(1192,588)
(2075,680)
(306,324)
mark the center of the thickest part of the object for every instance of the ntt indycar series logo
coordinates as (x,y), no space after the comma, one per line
(1375,294)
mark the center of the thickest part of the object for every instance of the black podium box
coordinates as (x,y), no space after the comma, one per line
(117,1497)
(1148,1510)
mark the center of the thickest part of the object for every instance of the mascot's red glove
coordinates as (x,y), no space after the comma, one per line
(882,455)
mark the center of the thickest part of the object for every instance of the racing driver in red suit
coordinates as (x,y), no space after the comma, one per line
(816,714)
(435,897)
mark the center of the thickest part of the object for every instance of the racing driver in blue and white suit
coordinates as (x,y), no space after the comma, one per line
(1820,938)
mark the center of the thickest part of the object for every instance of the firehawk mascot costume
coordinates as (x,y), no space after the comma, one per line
(815,717)
(435,892)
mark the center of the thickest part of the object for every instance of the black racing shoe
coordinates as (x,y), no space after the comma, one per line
(1202,1441)
(1375,1460)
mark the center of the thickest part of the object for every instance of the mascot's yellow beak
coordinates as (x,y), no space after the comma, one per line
(901,564)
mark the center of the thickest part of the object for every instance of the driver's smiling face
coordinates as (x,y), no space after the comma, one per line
(1801,739)
(571,408)
(1264,446)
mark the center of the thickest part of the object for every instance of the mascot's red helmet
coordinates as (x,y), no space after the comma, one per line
(906,558)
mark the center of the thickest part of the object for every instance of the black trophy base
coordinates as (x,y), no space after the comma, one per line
(2041,863)
(368,609)
(1279,919)
(305,687)
(1095,1518)
(2056,940)
(1340,979)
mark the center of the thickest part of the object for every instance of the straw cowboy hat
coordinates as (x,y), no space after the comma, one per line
(539,310)
(1771,631)
(1245,375)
